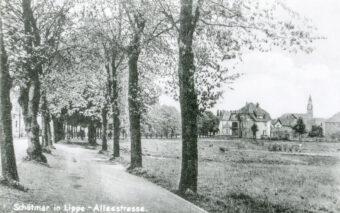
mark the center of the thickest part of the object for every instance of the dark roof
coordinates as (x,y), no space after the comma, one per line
(255,111)
(223,115)
(234,116)
(288,119)
(304,116)
(274,121)
(251,111)
(334,118)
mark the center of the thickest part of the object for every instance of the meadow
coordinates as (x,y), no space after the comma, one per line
(243,176)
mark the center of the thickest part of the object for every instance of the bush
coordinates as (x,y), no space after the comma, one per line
(264,137)
(284,147)
(335,135)
(316,131)
(223,149)
(240,146)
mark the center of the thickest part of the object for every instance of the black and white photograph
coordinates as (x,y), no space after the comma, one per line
(170,106)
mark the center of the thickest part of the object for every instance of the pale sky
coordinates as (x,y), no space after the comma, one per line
(282,82)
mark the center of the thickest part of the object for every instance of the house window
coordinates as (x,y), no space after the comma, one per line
(264,132)
(234,125)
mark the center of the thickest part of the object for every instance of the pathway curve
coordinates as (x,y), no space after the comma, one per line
(81,177)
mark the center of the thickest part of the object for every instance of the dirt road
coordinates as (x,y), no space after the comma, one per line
(81,179)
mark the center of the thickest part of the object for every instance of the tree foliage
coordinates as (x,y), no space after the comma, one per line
(299,127)
(207,124)
(316,131)
(227,30)
(81,57)
(161,121)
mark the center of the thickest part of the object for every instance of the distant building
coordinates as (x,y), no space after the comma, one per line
(224,123)
(283,126)
(332,126)
(238,123)
(290,119)
(18,127)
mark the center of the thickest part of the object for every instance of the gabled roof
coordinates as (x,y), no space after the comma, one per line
(275,121)
(234,116)
(334,118)
(288,119)
(224,115)
(256,112)
(251,111)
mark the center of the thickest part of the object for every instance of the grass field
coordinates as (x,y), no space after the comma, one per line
(234,175)
(246,177)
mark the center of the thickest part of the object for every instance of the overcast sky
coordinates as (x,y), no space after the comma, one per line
(281,82)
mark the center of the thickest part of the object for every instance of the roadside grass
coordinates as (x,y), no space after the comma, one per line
(246,177)
(242,177)
(47,185)
(40,181)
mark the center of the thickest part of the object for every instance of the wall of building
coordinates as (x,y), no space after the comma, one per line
(18,127)
(331,128)
(224,128)
(264,129)
(282,132)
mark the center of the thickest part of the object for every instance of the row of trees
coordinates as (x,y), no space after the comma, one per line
(161,121)
(300,129)
(111,58)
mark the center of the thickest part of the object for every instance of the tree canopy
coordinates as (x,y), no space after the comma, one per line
(82,62)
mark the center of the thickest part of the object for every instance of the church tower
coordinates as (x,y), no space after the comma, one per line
(310,107)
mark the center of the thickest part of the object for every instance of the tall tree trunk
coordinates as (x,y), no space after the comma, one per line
(58,129)
(67,127)
(91,133)
(8,162)
(44,121)
(46,128)
(134,94)
(34,149)
(134,111)
(30,113)
(71,131)
(104,128)
(188,97)
(115,112)
(74,133)
(49,132)
(32,90)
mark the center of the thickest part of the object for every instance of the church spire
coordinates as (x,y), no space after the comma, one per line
(310,107)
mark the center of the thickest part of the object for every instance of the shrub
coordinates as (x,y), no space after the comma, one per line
(284,147)
(223,149)
(335,135)
(240,146)
(316,131)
